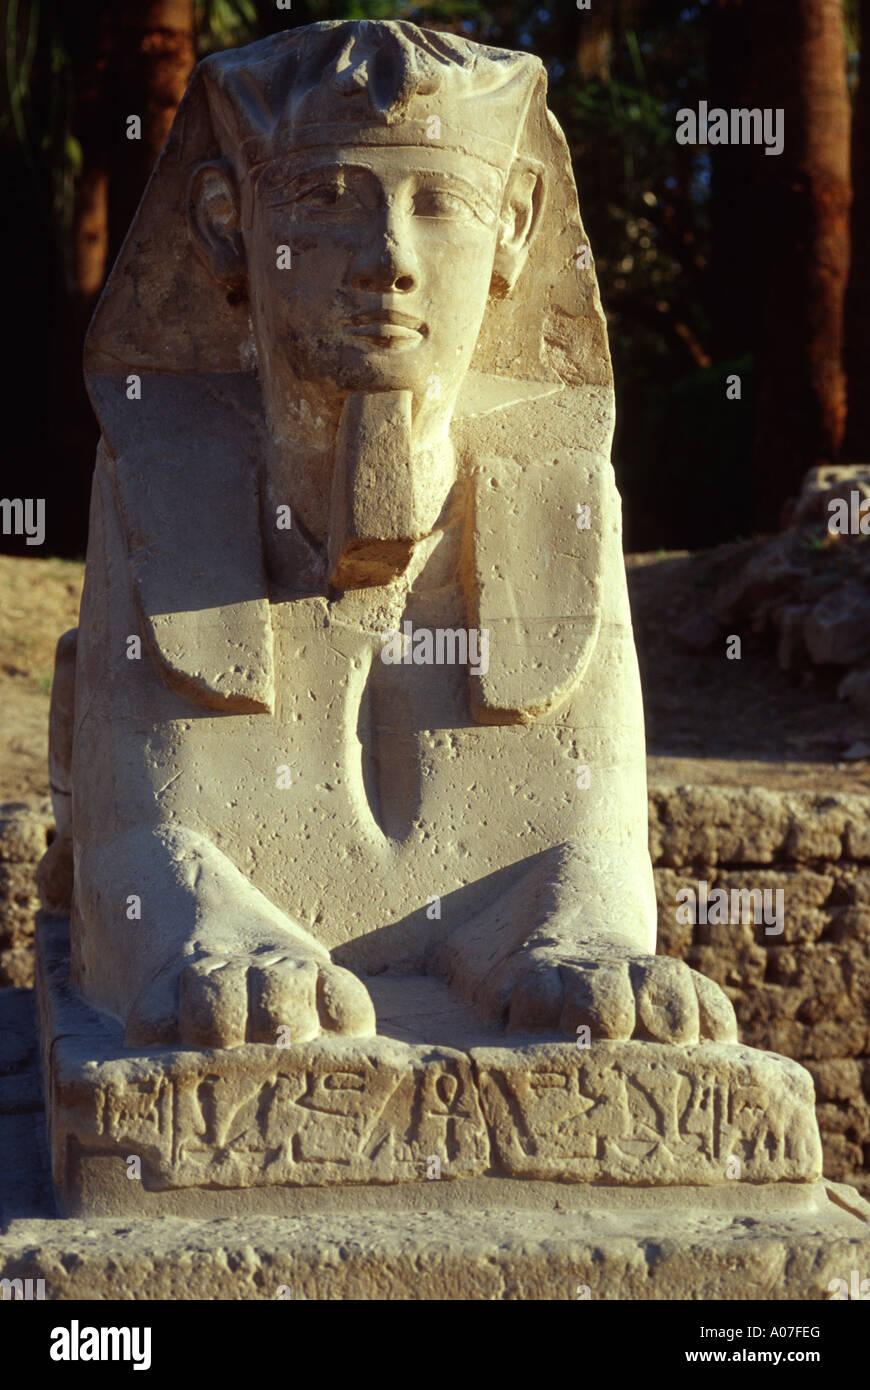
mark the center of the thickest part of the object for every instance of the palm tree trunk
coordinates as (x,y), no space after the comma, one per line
(857,444)
(154,52)
(801,225)
(733,303)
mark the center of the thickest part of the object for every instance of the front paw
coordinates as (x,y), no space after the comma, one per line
(222,999)
(548,988)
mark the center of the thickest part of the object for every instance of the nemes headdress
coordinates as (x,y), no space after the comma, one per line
(369,84)
(540,370)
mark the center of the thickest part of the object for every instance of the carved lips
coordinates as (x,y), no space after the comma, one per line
(387,328)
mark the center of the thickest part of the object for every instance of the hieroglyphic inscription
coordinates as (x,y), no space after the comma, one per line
(375,1112)
(642,1113)
(319,1118)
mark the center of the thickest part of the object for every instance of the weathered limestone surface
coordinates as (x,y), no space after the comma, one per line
(805,991)
(25,829)
(382,1111)
(347,752)
(325,450)
(812,610)
(689,1251)
(823,1020)
(756,826)
(736,1241)
(567,1240)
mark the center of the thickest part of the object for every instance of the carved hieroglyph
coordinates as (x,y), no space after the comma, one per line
(356,688)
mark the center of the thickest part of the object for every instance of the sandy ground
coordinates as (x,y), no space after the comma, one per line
(708,719)
(741,721)
(39,600)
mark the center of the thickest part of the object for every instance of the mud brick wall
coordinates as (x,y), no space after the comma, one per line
(806,991)
(25,832)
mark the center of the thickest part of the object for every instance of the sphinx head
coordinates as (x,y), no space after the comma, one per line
(404,172)
(371,200)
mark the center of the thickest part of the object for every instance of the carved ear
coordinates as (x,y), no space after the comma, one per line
(520,216)
(213,208)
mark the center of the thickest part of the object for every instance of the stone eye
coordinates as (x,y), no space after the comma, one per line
(331,196)
(438,202)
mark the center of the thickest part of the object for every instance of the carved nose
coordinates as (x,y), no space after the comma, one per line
(379,283)
(391,268)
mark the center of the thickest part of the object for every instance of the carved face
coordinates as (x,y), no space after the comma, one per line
(369,268)
(391,259)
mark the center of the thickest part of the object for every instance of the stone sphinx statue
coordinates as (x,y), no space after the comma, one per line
(353,714)
(372,405)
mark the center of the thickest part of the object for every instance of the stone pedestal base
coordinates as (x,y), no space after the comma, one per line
(504,1229)
(694,1246)
(435,1112)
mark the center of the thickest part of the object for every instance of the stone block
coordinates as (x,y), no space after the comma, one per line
(389,1111)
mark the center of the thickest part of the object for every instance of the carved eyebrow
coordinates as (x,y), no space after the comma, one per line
(325,171)
(294,184)
(478,200)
